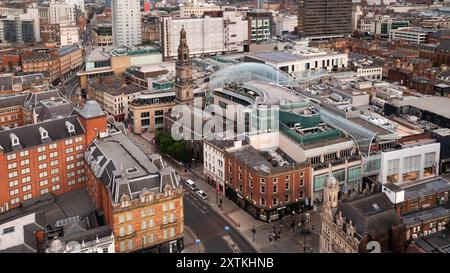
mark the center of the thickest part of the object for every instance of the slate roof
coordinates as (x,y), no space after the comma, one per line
(12,100)
(424,216)
(125,169)
(88,235)
(371,213)
(444,45)
(49,111)
(115,86)
(441,33)
(33,99)
(5,82)
(29,135)
(91,109)
(29,79)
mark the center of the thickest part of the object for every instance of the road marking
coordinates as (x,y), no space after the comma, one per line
(193,203)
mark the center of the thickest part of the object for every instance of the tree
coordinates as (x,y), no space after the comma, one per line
(174,148)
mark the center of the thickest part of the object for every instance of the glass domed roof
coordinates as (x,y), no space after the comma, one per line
(247,72)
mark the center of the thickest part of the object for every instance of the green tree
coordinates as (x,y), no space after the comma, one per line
(174,148)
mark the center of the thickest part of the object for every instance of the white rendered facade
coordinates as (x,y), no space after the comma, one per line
(285,22)
(32,14)
(205,35)
(126,19)
(298,61)
(410,163)
(214,163)
(69,35)
(61,13)
(78,3)
(375,73)
(408,34)
(99,245)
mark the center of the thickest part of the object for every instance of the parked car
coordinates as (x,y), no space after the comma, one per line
(191,185)
(202,194)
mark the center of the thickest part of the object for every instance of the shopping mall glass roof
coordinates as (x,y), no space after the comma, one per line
(246,72)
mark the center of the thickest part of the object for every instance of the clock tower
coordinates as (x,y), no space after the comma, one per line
(183,80)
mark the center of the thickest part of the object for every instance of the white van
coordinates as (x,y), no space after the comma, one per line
(191,185)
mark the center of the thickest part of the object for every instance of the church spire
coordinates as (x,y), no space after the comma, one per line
(183,49)
(331,190)
(183,81)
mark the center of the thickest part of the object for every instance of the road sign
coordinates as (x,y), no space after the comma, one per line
(227,228)
(197,242)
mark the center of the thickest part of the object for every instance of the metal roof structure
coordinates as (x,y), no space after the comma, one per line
(247,72)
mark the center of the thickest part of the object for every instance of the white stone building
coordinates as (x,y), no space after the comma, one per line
(214,161)
(61,13)
(285,23)
(79,4)
(409,34)
(209,35)
(414,161)
(69,35)
(299,61)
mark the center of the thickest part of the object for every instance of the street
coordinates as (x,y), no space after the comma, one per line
(199,217)
(210,227)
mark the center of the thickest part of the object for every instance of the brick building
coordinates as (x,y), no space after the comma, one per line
(268,185)
(441,55)
(11,111)
(44,60)
(46,157)
(150,30)
(50,33)
(140,197)
(24,108)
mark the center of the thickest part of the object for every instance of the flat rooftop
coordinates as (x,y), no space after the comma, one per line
(437,105)
(266,162)
(435,213)
(272,91)
(442,132)
(73,203)
(115,86)
(67,49)
(426,188)
(290,56)
(372,127)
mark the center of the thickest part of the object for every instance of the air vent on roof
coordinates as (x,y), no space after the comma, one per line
(132,170)
(67,221)
(14,140)
(70,127)
(376,207)
(8,230)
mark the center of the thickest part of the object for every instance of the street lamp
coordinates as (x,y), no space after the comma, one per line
(193,160)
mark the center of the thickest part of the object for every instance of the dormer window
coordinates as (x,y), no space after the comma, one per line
(70,127)
(43,132)
(14,140)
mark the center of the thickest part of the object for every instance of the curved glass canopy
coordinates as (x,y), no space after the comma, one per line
(247,72)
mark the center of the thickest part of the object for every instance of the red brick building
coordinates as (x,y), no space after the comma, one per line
(47,157)
(267,185)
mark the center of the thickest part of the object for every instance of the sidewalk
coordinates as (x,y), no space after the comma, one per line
(189,242)
(241,220)
(244,222)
